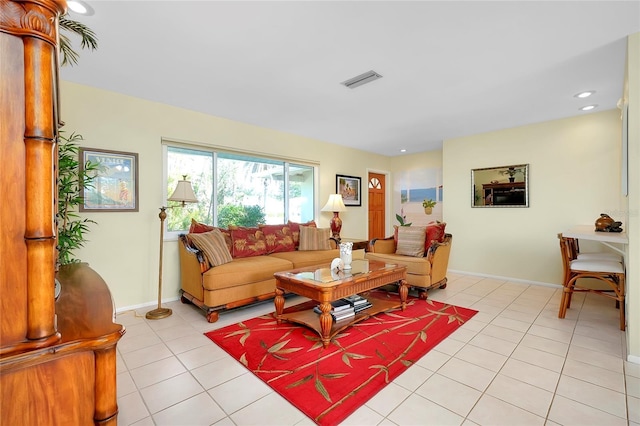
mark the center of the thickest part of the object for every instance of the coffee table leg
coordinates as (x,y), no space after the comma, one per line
(326,321)
(403,290)
(279,302)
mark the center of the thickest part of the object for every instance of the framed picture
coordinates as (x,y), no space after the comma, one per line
(115,186)
(504,186)
(349,188)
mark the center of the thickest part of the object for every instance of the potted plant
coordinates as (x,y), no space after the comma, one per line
(71,180)
(511,171)
(428,205)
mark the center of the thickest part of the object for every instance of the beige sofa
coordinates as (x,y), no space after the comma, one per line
(424,273)
(240,282)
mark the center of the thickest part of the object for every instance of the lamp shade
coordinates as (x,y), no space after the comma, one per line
(183,192)
(334,204)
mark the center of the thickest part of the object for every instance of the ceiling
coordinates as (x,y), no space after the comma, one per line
(449,68)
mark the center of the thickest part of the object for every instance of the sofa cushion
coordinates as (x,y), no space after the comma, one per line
(243,271)
(213,246)
(278,238)
(302,259)
(247,242)
(295,230)
(415,265)
(411,241)
(198,228)
(312,238)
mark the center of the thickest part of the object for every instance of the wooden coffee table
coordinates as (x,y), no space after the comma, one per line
(319,284)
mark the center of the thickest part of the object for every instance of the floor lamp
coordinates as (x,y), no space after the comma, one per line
(335,205)
(183,194)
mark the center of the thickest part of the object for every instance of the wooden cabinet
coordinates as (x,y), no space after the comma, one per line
(503,194)
(57,359)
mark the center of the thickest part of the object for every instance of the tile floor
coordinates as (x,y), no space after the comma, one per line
(514,363)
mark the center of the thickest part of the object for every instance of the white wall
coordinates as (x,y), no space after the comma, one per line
(574,175)
(124,247)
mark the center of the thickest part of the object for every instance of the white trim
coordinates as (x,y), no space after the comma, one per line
(515,280)
(633,359)
(144,305)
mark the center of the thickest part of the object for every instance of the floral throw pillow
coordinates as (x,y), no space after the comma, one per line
(198,228)
(248,242)
(435,232)
(278,238)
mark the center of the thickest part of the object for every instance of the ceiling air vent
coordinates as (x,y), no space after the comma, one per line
(361,79)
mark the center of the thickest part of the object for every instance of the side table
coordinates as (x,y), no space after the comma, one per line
(358,244)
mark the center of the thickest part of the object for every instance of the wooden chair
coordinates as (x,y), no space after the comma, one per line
(610,272)
(594,255)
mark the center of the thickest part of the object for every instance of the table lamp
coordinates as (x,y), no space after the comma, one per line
(182,194)
(335,205)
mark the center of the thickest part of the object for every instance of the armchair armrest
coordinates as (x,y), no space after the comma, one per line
(382,245)
(438,256)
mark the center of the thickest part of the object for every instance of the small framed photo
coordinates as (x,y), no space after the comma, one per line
(115,186)
(350,189)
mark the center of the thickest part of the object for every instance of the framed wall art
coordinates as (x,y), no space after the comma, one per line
(505,186)
(350,189)
(115,186)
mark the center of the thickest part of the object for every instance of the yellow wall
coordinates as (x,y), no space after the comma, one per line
(632,93)
(124,247)
(574,175)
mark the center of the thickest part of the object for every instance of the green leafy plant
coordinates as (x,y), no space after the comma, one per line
(88,39)
(71,180)
(511,171)
(232,214)
(401,218)
(428,203)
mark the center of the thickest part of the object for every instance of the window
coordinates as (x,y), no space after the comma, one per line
(238,189)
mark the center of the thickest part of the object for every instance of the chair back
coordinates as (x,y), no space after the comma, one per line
(567,253)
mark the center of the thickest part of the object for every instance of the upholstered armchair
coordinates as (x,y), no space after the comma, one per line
(423,272)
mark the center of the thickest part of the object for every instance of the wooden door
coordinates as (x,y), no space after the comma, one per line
(377,189)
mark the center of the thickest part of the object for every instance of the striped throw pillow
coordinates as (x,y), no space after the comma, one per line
(411,240)
(314,238)
(213,246)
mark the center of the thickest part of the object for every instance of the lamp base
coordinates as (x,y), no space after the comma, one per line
(158,313)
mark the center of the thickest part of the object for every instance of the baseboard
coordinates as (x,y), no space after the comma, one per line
(144,305)
(633,359)
(498,277)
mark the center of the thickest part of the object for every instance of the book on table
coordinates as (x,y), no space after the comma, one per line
(337,306)
(344,314)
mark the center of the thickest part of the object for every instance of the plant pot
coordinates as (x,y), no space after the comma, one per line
(428,210)
(512,179)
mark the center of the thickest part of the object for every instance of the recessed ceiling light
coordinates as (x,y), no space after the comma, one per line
(588,107)
(403,150)
(584,94)
(80,7)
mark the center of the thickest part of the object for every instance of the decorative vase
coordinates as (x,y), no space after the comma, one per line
(346,254)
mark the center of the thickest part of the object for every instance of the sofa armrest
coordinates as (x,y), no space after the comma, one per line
(383,245)
(192,266)
(438,256)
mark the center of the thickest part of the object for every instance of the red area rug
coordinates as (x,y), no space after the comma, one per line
(330,384)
